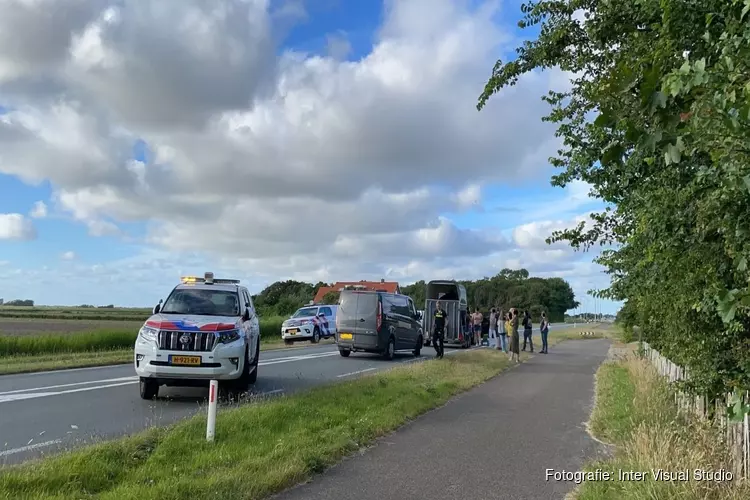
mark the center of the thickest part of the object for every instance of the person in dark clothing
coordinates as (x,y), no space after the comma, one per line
(544,330)
(438,333)
(527,331)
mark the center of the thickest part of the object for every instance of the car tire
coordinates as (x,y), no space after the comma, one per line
(390,349)
(149,388)
(344,353)
(418,348)
(316,336)
(253,377)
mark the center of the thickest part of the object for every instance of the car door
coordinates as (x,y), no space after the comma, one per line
(327,324)
(252,325)
(416,323)
(403,320)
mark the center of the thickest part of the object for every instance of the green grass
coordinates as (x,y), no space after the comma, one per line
(261,448)
(46,362)
(100,340)
(635,410)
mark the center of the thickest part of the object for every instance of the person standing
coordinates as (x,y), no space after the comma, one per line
(494,339)
(527,331)
(476,320)
(502,331)
(515,355)
(438,333)
(544,330)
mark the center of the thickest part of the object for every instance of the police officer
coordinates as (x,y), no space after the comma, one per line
(438,330)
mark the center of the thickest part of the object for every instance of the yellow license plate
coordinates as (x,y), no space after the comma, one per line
(292,331)
(185,360)
(345,336)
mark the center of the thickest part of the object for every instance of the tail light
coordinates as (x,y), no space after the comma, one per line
(379,322)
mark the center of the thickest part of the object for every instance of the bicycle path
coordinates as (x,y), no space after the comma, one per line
(493,442)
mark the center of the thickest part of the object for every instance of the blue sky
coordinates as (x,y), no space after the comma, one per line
(66,253)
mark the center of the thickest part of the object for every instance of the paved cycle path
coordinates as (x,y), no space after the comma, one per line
(493,442)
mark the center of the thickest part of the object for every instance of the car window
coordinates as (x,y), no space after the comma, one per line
(203,302)
(388,306)
(305,312)
(400,305)
(326,311)
(412,309)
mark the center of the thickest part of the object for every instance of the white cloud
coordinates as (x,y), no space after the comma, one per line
(39,210)
(16,227)
(69,255)
(280,166)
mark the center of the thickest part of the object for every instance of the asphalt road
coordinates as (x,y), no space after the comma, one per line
(44,412)
(494,442)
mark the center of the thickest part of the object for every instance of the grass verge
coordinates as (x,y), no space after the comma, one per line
(84,359)
(635,411)
(260,449)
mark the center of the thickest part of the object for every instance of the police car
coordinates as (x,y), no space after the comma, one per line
(207,329)
(310,323)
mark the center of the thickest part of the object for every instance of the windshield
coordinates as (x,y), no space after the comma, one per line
(305,311)
(203,302)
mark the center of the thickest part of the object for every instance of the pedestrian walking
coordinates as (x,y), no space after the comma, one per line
(476,320)
(544,330)
(515,355)
(527,331)
(494,340)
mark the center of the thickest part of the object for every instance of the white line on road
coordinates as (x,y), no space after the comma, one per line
(88,382)
(355,373)
(13,451)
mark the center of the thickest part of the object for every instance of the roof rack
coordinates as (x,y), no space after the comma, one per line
(208,279)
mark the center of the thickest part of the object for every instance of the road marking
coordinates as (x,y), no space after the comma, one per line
(297,358)
(355,373)
(13,451)
(34,395)
(88,382)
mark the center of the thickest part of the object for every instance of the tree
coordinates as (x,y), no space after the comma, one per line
(657,121)
(331,298)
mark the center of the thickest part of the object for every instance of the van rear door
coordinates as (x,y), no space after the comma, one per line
(357,313)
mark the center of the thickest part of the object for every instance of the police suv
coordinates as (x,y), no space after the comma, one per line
(310,323)
(207,329)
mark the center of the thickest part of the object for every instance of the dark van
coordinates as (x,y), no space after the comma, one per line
(377,322)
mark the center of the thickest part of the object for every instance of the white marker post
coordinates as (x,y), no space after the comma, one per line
(212,397)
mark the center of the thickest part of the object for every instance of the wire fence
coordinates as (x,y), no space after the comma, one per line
(736,434)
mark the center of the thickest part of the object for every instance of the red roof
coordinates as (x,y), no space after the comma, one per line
(382,286)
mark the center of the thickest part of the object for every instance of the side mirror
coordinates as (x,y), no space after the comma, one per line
(246,315)
(419,315)
(157,307)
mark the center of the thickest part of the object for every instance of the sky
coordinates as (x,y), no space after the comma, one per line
(266,140)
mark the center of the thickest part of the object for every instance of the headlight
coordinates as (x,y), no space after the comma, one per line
(227,337)
(148,333)
(307,322)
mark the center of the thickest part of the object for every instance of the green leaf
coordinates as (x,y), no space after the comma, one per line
(700,65)
(673,153)
(742,265)
(746,179)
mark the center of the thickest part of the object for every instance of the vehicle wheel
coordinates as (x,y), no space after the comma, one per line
(390,349)
(427,342)
(418,349)
(149,388)
(288,342)
(316,336)
(253,377)
(345,353)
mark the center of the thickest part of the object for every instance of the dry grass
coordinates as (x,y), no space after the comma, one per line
(635,410)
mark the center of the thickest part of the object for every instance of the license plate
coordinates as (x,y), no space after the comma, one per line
(185,360)
(345,336)
(293,330)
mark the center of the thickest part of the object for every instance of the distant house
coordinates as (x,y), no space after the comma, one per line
(375,286)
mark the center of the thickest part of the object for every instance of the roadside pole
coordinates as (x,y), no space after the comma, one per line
(212,397)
